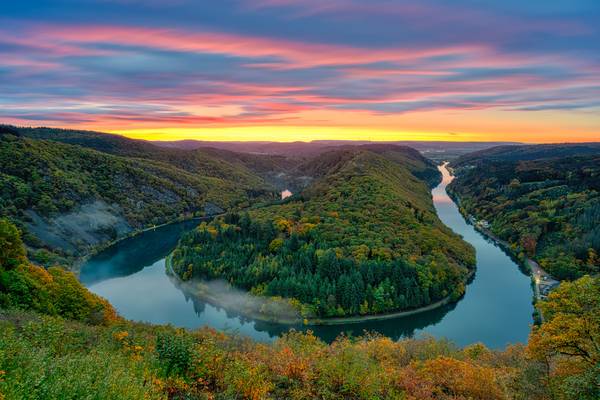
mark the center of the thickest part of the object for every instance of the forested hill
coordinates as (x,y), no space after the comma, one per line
(409,158)
(68,198)
(283,171)
(247,169)
(544,200)
(363,238)
(529,152)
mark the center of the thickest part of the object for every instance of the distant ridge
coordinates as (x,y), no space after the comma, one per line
(530,152)
(315,147)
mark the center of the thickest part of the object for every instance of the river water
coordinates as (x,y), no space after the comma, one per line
(496,309)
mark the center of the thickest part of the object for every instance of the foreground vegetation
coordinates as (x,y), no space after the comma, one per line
(70,345)
(362,239)
(543,200)
(52,291)
(52,358)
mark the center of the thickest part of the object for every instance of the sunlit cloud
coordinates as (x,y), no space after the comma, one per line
(381,69)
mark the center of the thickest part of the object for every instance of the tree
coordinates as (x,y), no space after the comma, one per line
(275,245)
(460,379)
(569,339)
(529,243)
(12,251)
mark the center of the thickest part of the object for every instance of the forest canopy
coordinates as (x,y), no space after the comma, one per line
(363,238)
(547,209)
(66,198)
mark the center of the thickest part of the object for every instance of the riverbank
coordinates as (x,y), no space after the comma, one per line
(221,294)
(540,278)
(251,310)
(357,319)
(541,281)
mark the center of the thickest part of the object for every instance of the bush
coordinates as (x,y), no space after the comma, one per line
(174,352)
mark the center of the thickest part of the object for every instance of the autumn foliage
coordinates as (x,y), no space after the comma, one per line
(52,291)
(160,362)
(568,342)
(75,347)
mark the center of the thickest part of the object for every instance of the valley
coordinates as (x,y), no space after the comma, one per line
(485,314)
(358,240)
(542,200)
(300,200)
(369,249)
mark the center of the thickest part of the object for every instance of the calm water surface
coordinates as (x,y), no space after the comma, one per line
(496,309)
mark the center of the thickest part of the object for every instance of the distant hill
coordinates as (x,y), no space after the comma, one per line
(360,239)
(104,142)
(419,165)
(437,150)
(241,168)
(326,163)
(542,199)
(71,190)
(169,150)
(529,152)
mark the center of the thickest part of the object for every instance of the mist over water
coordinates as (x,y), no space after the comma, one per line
(236,301)
(496,309)
(148,295)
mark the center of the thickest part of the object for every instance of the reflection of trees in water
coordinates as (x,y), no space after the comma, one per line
(395,328)
(134,254)
(200,307)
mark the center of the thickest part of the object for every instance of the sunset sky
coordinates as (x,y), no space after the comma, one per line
(305,69)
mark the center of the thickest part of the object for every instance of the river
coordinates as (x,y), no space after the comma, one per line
(496,309)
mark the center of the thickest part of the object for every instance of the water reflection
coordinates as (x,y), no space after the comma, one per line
(285,194)
(495,310)
(132,255)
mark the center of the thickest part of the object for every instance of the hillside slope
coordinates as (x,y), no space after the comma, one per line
(69,198)
(544,200)
(59,341)
(529,152)
(362,238)
(243,168)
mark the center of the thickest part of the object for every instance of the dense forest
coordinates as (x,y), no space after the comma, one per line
(544,200)
(247,170)
(58,341)
(68,198)
(525,152)
(363,238)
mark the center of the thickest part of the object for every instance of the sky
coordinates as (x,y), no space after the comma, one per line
(284,70)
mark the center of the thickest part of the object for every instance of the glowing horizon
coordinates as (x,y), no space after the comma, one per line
(300,70)
(287,134)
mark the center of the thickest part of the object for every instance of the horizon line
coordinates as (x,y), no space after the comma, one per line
(135,135)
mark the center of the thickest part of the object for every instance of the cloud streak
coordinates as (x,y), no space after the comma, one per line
(300,62)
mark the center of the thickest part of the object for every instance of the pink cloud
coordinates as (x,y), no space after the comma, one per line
(66,40)
(378,76)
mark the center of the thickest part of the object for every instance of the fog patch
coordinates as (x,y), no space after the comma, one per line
(221,294)
(88,225)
